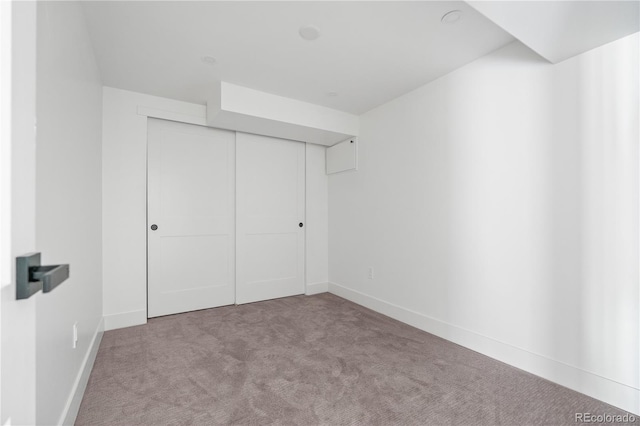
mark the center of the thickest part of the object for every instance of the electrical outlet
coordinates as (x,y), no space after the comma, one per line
(75,335)
(370,274)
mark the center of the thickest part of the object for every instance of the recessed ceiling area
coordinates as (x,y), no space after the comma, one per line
(558,30)
(367,52)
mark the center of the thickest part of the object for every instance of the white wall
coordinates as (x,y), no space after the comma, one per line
(498,207)
(68,204)
(124,157)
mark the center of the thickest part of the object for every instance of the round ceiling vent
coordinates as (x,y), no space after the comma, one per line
(452,17)
(309,32)
(209,60)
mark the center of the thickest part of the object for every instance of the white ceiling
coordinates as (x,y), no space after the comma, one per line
(368,52)
(558,30)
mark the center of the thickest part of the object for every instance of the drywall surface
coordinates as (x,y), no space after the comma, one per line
(68,201)
(498,207)
(124,175)
(247,110)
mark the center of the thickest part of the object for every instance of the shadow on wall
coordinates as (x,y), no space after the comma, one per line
(498,184)
(608,171)
(543,194)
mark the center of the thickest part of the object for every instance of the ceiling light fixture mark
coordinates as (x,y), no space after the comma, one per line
(309,32)
(451,17)
(209,60)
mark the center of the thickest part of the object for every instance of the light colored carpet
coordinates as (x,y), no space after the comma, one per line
(305,361)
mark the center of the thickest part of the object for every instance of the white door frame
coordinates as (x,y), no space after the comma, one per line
(17,213)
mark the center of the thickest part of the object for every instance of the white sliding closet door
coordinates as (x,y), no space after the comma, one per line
(191,201)
(270,197)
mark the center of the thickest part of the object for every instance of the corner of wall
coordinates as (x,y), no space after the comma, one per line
(316,288)
(125,319)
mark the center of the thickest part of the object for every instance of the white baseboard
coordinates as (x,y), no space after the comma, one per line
(316,288)
(124,319)
(609,391)
(70,411)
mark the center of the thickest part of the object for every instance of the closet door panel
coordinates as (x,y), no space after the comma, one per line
(191,202)
(270,195)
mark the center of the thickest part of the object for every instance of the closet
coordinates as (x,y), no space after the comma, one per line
(225,217)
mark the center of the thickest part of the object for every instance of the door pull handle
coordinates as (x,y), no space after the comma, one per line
(31,276)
